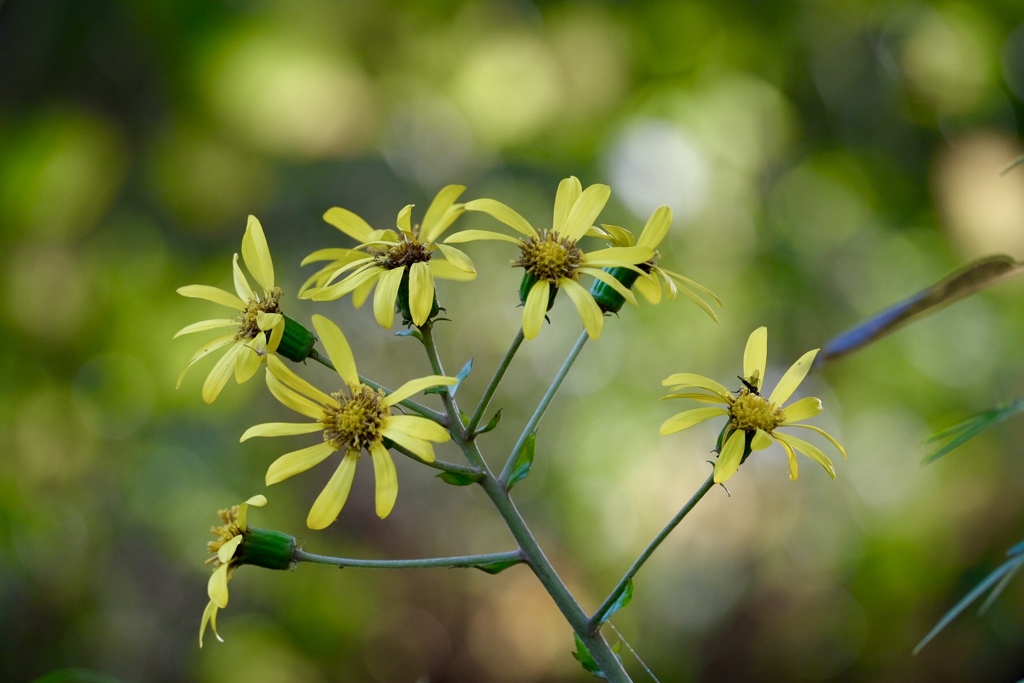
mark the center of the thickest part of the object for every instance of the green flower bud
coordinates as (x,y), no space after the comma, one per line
(296,342)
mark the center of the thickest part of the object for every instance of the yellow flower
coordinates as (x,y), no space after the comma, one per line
(647,283)
(258,315)
(229,536)
(401,265)
(358,418)
(553,260)
(754,421)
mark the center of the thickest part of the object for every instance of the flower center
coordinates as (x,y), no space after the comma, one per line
(225,532)
(550,257)
(751,411)
(405,253)
(358,422)
(247,328)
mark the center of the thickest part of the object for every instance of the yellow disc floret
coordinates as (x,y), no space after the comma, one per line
(358,422)
(248,327)
(751,411)
(550,257)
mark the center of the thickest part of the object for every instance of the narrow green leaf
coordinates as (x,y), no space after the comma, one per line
(963,432)
(411,332)
(491,424)
(625,597)
(498,567)
(524,460)
(586,660)
(462,374)
(459,478)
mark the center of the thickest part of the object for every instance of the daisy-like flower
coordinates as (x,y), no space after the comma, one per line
(401,265)
(552,258)
(355,419)
(754,421)
(647,281)
(257,329)
(236,545)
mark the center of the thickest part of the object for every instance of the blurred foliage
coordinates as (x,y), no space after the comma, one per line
(823,160)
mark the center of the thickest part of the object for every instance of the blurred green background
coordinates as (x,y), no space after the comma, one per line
(823,160)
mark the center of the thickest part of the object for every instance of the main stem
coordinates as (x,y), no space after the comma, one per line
(542,568)
(599,616)
(514,556)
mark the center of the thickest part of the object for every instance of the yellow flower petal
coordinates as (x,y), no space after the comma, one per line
(755,357)
(657,227)
(369,274)
(338,349)
(681,380)
(569,191)
(290,399)
(794,467)
(266,321)
(281,429)
(535,309)
(497,210)
(439,215)
(475,235)
(585,211)
(209,617)
(445,270)
(250,358)
(689,418)
(617,257)
(259,500)
(286,376)
(213,294)
(217,586)
(387,479)
(227,550)
(405,219)
(610,280)
(256,254)
(761,440)
(810,450)
(218,377)
(620,237)
(204,350)
(457,258)
(649,288)
(332,499)
(421,292)
(802,409)
(384,299)
(839,446)
(360,293)
(792,379)
(296,462)
(414,386)
(729,459)
(349,223)
(242,287)
(338,254)
(588,309)
(422,449)
(692,297)
(205,325)
(697,396)
(416,427)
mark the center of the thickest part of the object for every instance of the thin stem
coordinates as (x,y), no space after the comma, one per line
(513,556)
(599,615)
(436,464)
(415,407)
(499,373)
(545,401)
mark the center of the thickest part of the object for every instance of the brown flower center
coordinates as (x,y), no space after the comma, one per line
(248,327)
(225,532)
(358,421)
(550,257)
(404,253)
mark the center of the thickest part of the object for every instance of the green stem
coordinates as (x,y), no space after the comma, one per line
(598,618)
(542,568)
(301,555)
(499,373)
(545,401)
(415,407)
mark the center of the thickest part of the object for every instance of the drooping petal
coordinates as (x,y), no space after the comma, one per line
(681,380)
(404,221)
(281,429)
(220,373)
(250,358)
(792,379)
(692,297)
(338,349)
(287,376)
(457,258)
(610,280)
(415,426)
(802,409)
(349,223)
(369,274)
(535,308)
(296,462)
(242,287)
(209,617)
(204,325)
(649,288)
(569,191)
(620,237)
(217,586)
(463,236)
(761,440)
(259,500)
(387,479)
(415,386)
(808,449)
(794,467)
(693,284)
(585,211)
(729,459)
(755,357)
(497,210)
(330,501)
(689,418)
(657,227)
(421,448)
(338,254)
(588,309)
(290,399)
(439,215)
(421,292)
(825,434)
(384,299)
(213,294)
(618,257)
(227,549)
(360,293)
(256,254)
(445,270)
(276,334)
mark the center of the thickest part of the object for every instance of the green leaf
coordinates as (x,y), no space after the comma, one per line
(463,374)
(491,424)
(586,660)
(963,432)
(460,478)
(523,461)
(411,332)
(498,567)
(625,597)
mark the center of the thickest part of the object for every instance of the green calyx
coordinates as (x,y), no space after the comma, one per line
(296,342)
(527,283)
(607,298)
(402,302)
(265,548)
